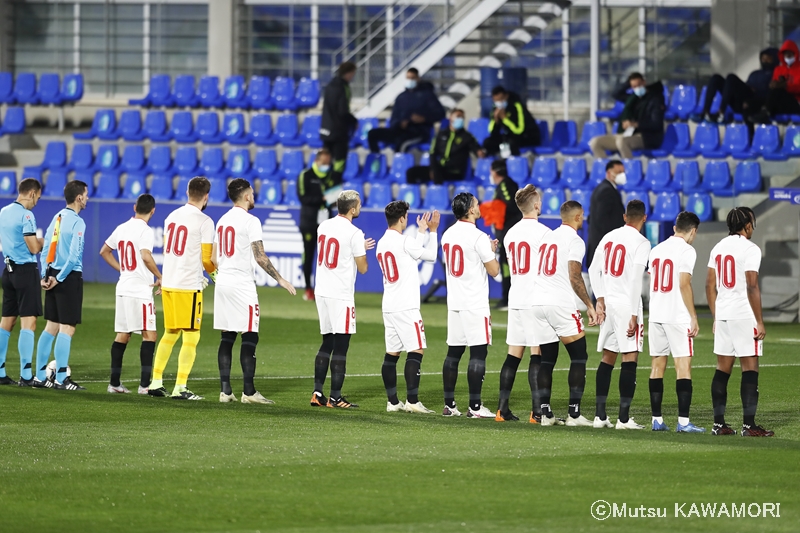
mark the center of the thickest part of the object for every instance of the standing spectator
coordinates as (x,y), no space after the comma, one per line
(505,191)
(512,124)
(642,121)
(784,89)
(605,208)
(413,115)
(338,124)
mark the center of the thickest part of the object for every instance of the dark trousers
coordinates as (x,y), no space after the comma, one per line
(504,269)
(309,248)
(422,174)
(735,94)
(338,150)
(399,138)
(492,143)
(781,102)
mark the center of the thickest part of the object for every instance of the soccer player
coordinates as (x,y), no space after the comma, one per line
(673,320)
(237,245)
(62,278)
(404,330)
(616,274)
(341,250)
(22,293)
(188,244)
(469,255)
(135,310)
(558,281)
(521,243)
(735,302)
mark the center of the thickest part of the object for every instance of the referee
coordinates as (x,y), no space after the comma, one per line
(22,294)
(62,278)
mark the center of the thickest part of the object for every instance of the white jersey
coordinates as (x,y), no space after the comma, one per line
(557,249)
(466,249)
(731,258)
(339,242)
(129,239)
(521,243)
(668,261)
(236,231)
(185,231)
(397,256)
(613,266)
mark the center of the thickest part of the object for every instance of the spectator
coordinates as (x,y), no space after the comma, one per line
(784,89)
(450,154)
(338,124)
(505,191)
(745,98)
(512,125)
(413,115)
(605,207)
(642,121)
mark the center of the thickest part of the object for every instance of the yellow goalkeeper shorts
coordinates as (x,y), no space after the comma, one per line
(182,309)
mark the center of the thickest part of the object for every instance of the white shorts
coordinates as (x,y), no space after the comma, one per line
(404,331)
(614,331)
(336,316)
(236,308)
(520,330)
(551,322)
(134,315)
(665,339)
(737,338)
(469,328)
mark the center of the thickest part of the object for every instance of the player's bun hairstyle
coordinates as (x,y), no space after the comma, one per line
(527,198)
(198,187)
(236,189)
(461,204)
(568,208)
(29,184)
(500,167)
(635,210)
(145,204)
(499,89)
(395,211)
(738,218)
(611,164)
(346,68)
(686,222)
(347,200)
(74,189)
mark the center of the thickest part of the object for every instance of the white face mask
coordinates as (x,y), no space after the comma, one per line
(621,179)
(640,91)
(411,84)
(789,61)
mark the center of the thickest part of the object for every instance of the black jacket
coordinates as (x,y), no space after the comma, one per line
(518,121)
(648,113)
(605,214)
(420,100)
(451,150)
(338,124)
(759,79)
(506,192)
(311,190)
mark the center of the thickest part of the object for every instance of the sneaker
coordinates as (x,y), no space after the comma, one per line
(722,429)
(451,411)
(227,398)
(117,390)
(505,417)
(689,428)
(630,424)
(535,419)
(26,382)
(659,426)
(417,408)
(67,385)
(398,407)
(756,431)
(185,394)
(308,295)
(341,403)
(159,392)
(553,421)
(319,400)
(142,390)
(482,412)
(5,380)
(257,398)
(39,384)
(602,423)
(580,421)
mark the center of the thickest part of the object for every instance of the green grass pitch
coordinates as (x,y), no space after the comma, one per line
(92,461)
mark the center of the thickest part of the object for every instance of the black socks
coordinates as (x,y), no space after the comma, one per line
(475,374)
(339,363)
(549,358)
(224,359)
(507,375)
(683,387)
(719,395)
(389,374)
(412,373)
(656,395)
(146,353)
(247,357)
(602,385)
(322,361)
(450,373)
(577,375)
(117,352)
(533,382)
(749,392)
(627,388)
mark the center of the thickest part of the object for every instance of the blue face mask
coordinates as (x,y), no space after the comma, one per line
(640,91)
(323,168)
(411,84)
(458,123)
(501,104)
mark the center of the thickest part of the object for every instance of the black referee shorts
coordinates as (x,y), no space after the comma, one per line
(22,293)
(63,303)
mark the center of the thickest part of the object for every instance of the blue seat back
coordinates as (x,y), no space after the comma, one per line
(552,198)
(766,139)
(409,193)
(747,177)
(517,169)
(134,185)
(181,188)
(639,195)
(160,90)
(658,174)
(105,121)
(290,198)
(479,128)
(107,157)
(14,121)
(717,176)
(583,197)
(8,182)
(687,175)
(483,169)
(184,91)
(374,167)
(218,192)
(791,141)
(258,92)
(182,124)
(488,193)
(238,164)
(308,92)
(107,186)
(283,90)
(155,123)
(261,129)
(380,194)
(208,91)
(545,171)
(598,173)
(683,137)
(352,168)
(286,127)
(684,99)
(292,164)
(49,88)
(133,158)
(6,87)
(271,192)
(590,131)
(207,124)
(736,139)
(161,187)
(667,207)
(706,137)
(437,197)
(160,159)
(82,156)
(56,181)
(130,122)
(233,126)
(265,163)
(354,186)
(465,186)
(544,132)
(400,165)
(565,133)
(364,127)
(234,90)
(309,131)
(55,155)
(701,205)
(25,87)
(72,88)
(573,174)
(186,160)
(634,174)
(212,162)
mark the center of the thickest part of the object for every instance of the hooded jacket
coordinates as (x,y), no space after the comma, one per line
(518,121)
(759,79)
(791,73)
(420,100)
(338,123)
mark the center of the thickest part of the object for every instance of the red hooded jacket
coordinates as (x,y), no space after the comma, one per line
(791,73)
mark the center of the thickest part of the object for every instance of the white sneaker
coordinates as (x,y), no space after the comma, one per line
(143,390)
(551,421)
(578,422)
(257,398)
(398,407)
(417,408)
(118,390)
(227,398)
(451,411)
(630,424)
(602,423)
(483,412)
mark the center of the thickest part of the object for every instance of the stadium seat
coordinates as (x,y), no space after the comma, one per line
(354,186)
(683,102)
(308,93)
(583,197)
(598,173)
(667,145)
(488,193)
(552,200)
(86,176)
(258,93)
(208,128)
(409,193)
(545,171)
(517,169)
(437,197)
(766,141)
(55,183)
(544,139)
(352,168)
(107,186)
(161,187)
(483,169)
(659,176)
(238,163)
(212,163)
(208,92)
(735,141)
(644,196)
(235,93)
(364,127)
(25,89)
(706,139)
(716,103)
(49,89)
(219,191)
(290,198)
(700,204)
(717,177)
(573,173)
(374,168)
(107,159)
(746,178)
(130,125)
(667,207)
(233,129)
(186,161)
(181,189)
(684,139)
(155,126)
(182,127)
(55,157)
(425,159)
(6,88)
(380,194)
(104,127)
(159,94)
(283,94)
(72,88)
(286,130)
(309,131)
(133,159)
(261,130)
(790,148)
(590,130)
(184,92)
(8,182)
(82,157)
(160,160)
(265,164)
(14,121)
(565,135)
(270,192)
(687,176)
(400,165)
(292,164)
(634,174)
(135,184)
(465,186)
(479,128)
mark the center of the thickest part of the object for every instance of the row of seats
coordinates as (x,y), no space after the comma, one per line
(260,93)
(14,121)
(50,90)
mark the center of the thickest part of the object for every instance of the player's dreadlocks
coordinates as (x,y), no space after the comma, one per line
(738,218)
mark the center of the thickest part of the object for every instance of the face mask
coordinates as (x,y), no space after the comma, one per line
(411,84)
(640,91)
(323,168)
(621,179)
(767,66)
(789,61)
(458,123)
(501,104)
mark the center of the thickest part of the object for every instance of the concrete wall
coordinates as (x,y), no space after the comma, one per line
(5,35)
(738,33)
(220,37)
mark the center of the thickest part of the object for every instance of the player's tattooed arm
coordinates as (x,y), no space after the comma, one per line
(576,280)
(263,261)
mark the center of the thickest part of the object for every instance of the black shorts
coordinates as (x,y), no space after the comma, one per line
(63,303)
(22,291)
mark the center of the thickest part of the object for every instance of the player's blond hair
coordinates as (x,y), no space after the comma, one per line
(527,198)
(347,200)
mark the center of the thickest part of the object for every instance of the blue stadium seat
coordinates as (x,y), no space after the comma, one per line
(107,186)
(25,89)
(155,126)
(258,93)
(465,186)
(484,165)
(544,139)
(107,159)
(161,187)
(611,114)
(130,125)
(49,89)
(659,176)
(182,127)
(488,193)
(286,130)
(219,191)
(374,168)
(308,93)
(565,135)
(14,121)
(133,159)
(790,148)
(160,160)
(545,171)
(208,92)
(380,194)
(104,126)
(716,103)
(233,129)
(261,130)
(590,130)
(7,88)
(212,163)
(552,200)
(292,164)
(517,169)
(706,139)
(635,176)
(290,198)
(238,163)
(265,164)
(87,176)
(684,139)
(583,197)
(283,94)
(425,159)
(55,157)
(410,193)
(309,131)
(56,181)
(644,196)
(766,141)
(363,129)
(135,184)
(352,168)
(687,176)
(667,207)
(479,128)
(400,165)
(72,88)
(184,92)
(735,141)
(181,189)
(700,204)
(208,128)
(235,93)
(717,177)
(573,173)
(747,178)
(159,94)
(354,186)
(437,197)
(82,157)
(683,102)
(598,173)
(270,193)
(186,161)
(8,182)
(667,145)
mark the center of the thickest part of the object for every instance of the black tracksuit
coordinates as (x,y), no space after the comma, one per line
(311,189)
(518,129)
(421,101)
(506,192)
(450,157)
(338,124)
